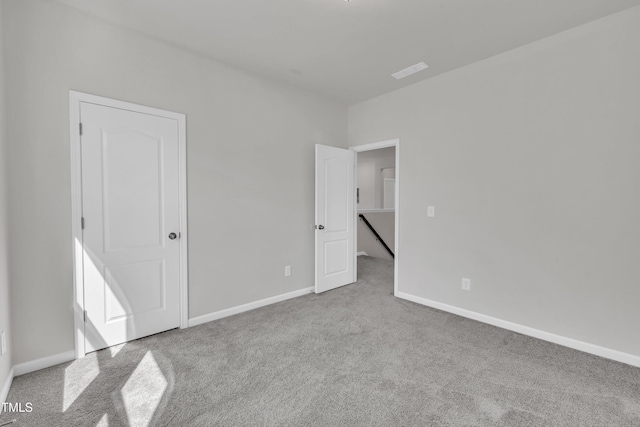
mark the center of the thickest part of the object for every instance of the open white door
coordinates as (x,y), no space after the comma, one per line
(335,218)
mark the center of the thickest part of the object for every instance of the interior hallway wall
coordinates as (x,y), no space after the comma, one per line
(370,180)
(531,160)
(250,166)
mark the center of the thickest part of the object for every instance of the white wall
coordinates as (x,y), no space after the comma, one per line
(5,361)
(250,164)
(531,159)
(370,180)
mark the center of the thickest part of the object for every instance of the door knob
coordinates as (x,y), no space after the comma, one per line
(172,236)
(321,227)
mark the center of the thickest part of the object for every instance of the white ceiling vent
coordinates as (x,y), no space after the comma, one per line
(410,70)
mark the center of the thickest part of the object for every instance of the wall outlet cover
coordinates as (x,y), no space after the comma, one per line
(466,284)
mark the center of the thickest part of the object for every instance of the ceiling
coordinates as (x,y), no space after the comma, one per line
(346,50)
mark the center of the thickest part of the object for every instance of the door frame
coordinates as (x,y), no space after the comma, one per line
(370,147)
(75,99)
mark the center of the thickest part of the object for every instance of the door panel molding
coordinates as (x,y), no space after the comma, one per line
(75,99)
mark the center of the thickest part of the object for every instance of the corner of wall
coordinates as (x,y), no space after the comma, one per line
(6,371)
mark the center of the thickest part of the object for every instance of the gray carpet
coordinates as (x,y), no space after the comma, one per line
(355,356)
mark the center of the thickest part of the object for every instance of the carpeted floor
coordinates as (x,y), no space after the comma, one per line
(354,356)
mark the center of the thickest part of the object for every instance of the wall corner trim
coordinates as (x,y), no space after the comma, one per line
(249,306)
(597,350)
(45,362)
(4,392)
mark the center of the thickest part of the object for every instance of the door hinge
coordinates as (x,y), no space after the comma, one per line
(80,128)
(84,314)
(82,223)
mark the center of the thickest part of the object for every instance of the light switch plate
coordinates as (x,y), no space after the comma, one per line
(431,211)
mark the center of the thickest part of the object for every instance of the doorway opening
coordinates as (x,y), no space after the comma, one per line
(337,216)
(377,202)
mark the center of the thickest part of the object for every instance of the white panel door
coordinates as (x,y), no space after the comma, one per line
(335,218)
(130,208)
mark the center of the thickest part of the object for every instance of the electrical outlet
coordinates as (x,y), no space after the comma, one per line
(287,271)
(466,284)
(431,211)
(3,346)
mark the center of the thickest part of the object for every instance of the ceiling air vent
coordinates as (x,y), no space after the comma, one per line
(410,70)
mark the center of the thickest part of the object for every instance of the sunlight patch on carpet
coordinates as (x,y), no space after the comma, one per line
(143,391)
(104,421)
(77,378)
(114,350)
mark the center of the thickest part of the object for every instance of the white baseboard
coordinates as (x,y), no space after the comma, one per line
(363,253)
(607,353)
(45,362)
(246,307)
(4,392)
